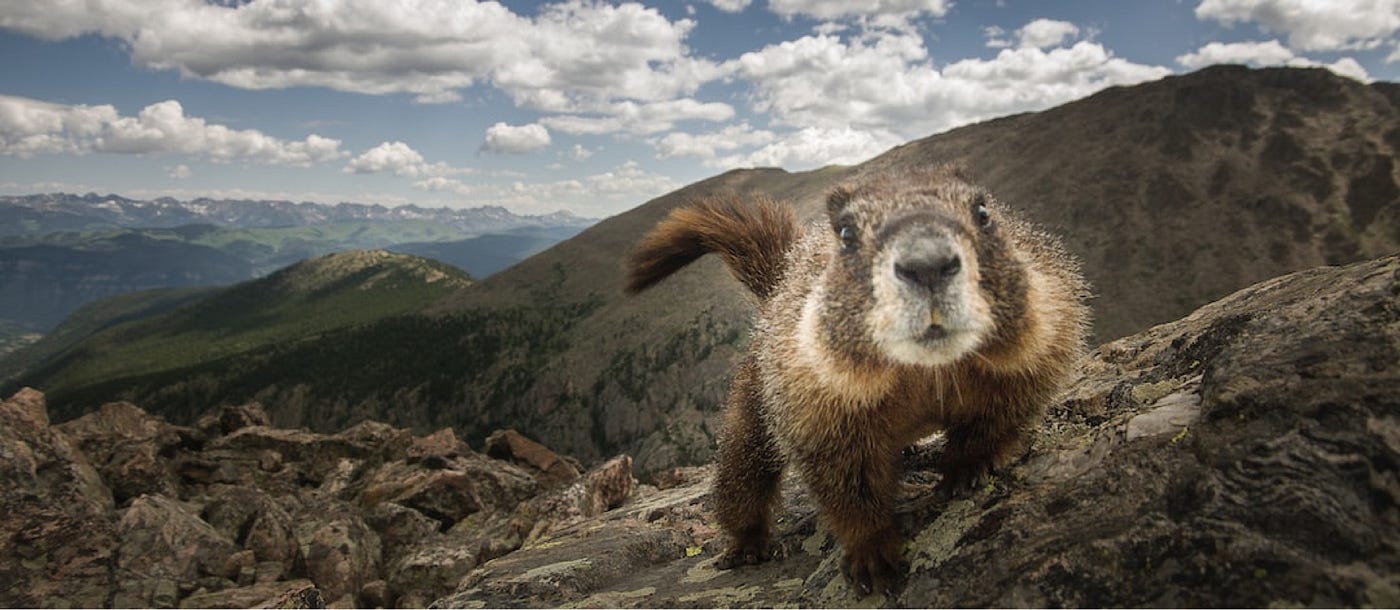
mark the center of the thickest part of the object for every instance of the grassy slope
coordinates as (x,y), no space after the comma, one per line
(298,303)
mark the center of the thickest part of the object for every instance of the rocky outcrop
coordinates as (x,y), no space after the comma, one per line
(120,508)
(1246,455)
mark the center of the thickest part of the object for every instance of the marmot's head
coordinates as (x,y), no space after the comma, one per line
(923,271)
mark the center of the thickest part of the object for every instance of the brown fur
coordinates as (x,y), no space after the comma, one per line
(751,237)
(833,383)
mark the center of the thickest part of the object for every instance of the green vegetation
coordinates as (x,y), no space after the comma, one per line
(301,302)
(266,249)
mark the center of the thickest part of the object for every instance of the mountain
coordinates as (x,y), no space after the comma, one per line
(484,255)
(303,302)
(1173,193)
(43,214)
(41,284)
(101,248)
(1243,456)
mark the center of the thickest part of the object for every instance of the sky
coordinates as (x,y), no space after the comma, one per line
(590,107)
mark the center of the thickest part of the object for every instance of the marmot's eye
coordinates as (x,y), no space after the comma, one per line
(847,233)
(982,214)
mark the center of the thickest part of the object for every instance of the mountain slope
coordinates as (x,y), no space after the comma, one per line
(304,301)
(1173,193)
(41,284)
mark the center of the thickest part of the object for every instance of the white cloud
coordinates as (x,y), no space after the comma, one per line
(836,9)
(707,146)
(579,152)
(401,160)
(444,185)
(576,56)
(31,127)
(1312,25)
(996,37)
(395,157)
(631,117)
(730,6)
(1268,53)
(883,82)
(811,147)
(605,193)
(515,139)
(178,172)
(1043,33)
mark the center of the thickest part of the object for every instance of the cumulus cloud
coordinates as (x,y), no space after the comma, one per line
(883,82)
(811,147)
(178,172)
(837,9)
(632,117)
(1043,33)
(515,139)
(1268,53)
(597,194)
(399,159)
(730,6)
(33,127)
(574,57)
(708,146)
(1310,25)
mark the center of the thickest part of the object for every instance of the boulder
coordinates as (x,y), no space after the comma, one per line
(130,448)
(299,593)
(549,467)
(57,526)
(341,552)
(162,544)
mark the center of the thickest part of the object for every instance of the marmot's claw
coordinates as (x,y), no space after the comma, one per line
(873,566)
(961,482)
(743,555)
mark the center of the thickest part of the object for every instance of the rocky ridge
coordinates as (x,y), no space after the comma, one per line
(1245,455)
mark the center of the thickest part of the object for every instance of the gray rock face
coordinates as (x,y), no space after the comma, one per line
(1245,455)
(57,521)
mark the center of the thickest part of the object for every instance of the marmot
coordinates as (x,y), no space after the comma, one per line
(920,304)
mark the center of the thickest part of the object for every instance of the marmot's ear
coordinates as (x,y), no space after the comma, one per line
(838,198)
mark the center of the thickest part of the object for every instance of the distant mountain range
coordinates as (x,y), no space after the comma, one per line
(43,214)
(59,252)
(1173,193)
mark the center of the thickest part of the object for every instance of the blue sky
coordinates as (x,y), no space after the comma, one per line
(593,107)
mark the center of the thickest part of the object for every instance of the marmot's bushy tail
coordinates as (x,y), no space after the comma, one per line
(751,236)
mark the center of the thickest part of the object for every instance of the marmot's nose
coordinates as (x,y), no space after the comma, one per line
(931,272)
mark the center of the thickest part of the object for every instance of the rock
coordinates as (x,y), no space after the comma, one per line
(433,568)
(163,542)
(129,447)
(254,520)
(340,550)
(316,455)
(451,490)
(1242,456)
(515,447)
(375,594)
(603,488)
(233,419)
(262,595)
(237,562)
(441,446)
(303,596)
(399,528)
(57,527)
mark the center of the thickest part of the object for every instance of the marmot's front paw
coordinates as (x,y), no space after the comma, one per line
(744,554)
(874,565)
(962,480)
